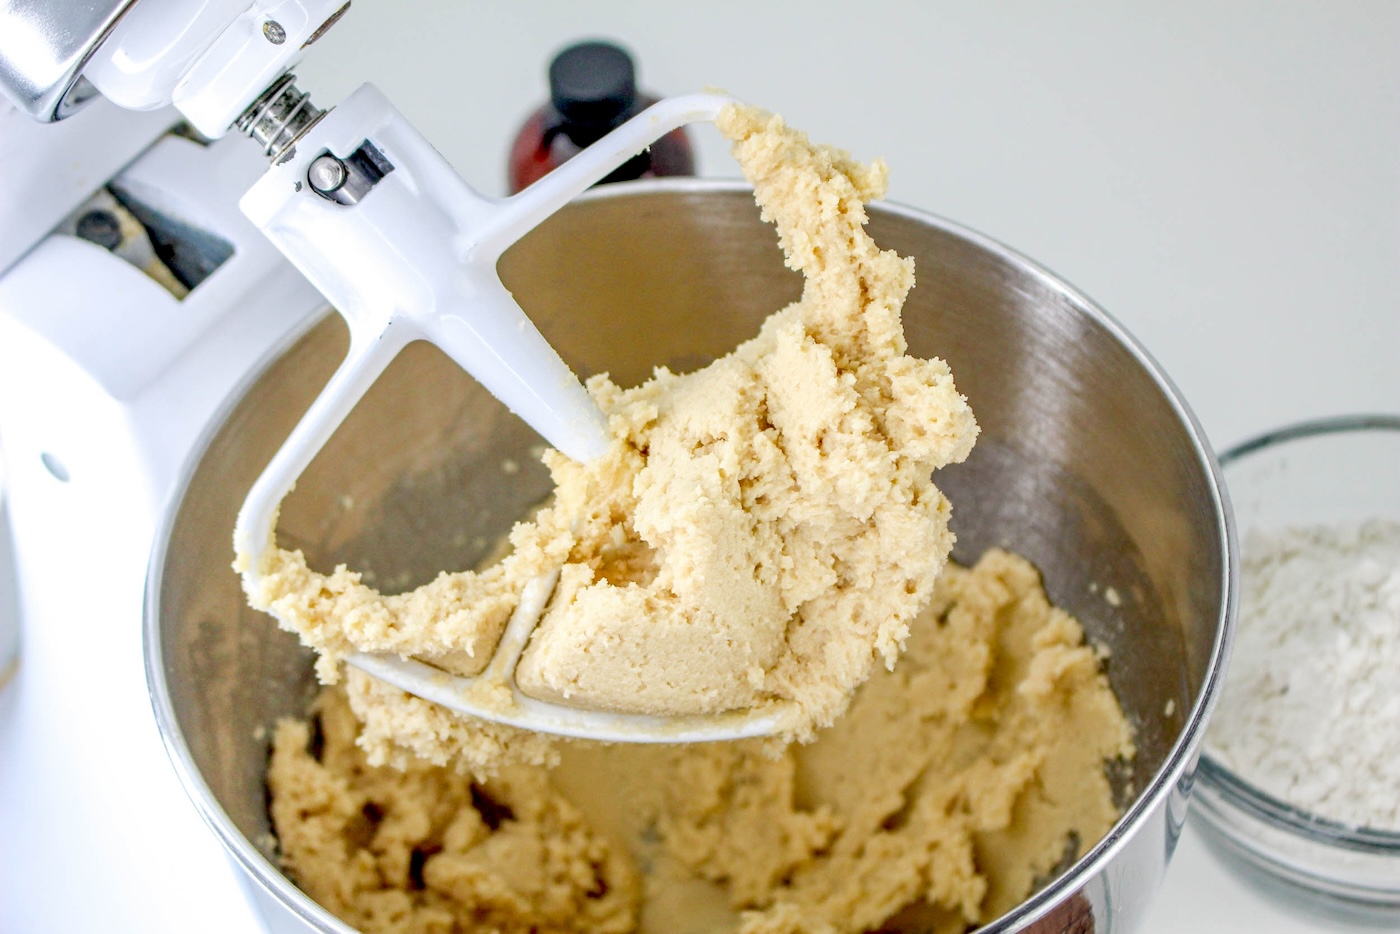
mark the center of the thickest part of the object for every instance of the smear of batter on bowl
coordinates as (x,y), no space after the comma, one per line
(762,530)
(951,787)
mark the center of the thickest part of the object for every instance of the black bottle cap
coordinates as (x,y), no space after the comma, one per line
(593,85)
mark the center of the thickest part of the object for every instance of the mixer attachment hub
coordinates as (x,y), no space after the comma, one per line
(346,181)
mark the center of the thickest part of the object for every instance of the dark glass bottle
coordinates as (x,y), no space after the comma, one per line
(592,89)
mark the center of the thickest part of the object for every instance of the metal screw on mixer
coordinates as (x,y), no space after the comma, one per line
(326,174)
(100,227)
(347,181)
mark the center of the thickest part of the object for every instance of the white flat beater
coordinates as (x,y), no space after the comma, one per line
(405,250)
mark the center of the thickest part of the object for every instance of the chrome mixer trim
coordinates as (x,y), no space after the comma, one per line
(44,47)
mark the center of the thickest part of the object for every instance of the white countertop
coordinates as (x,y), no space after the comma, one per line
(1221,176)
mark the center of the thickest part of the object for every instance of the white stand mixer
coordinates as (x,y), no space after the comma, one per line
(134,297)
(105,381)
(93,436)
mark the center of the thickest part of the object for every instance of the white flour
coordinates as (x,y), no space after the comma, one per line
(1311,707)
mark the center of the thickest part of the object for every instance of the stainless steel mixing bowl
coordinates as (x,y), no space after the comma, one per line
(1089,463)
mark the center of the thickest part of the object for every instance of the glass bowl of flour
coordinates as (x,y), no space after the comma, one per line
(1300,776)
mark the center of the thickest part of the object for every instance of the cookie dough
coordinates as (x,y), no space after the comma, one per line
(951,787)
(420,849)
(761,532)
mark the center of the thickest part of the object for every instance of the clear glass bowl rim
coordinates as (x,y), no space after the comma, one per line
(1240,793)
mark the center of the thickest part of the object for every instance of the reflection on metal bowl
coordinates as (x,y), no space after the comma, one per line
(1089,464)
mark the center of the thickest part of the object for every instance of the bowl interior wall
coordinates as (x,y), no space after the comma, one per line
(1084,464)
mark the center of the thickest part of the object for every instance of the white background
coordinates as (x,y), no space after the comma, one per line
(1221,176)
